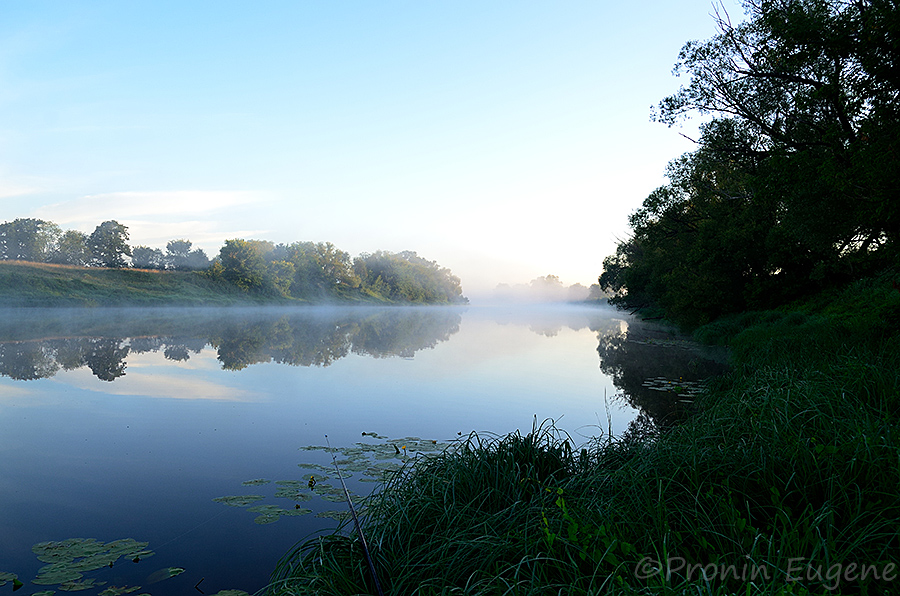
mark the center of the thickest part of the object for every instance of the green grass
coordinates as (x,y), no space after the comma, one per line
(786,482)
(39,284)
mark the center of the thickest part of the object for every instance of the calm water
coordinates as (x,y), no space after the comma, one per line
(123,424)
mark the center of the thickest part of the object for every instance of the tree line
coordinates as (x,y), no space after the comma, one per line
(301,270)
(793,186)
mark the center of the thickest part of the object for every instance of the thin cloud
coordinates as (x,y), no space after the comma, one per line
(136,205)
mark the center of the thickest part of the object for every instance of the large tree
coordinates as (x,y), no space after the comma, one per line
(814,85)
(245,264)
(109,245)
(28,239)
(792,187)
(72,249)
(144,257)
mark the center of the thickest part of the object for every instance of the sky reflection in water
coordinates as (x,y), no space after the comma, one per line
(130,430)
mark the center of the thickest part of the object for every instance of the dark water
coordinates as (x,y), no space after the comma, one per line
(128,424)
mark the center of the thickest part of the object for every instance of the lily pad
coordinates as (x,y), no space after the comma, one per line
(335,515)
(114,591)
(239,500)
(291,492)
(318,467)
(6,576)
(77,586)
(257,482)
(163,574)
(57,573)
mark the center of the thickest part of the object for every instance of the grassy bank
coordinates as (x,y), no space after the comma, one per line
(786,482)
(41,284)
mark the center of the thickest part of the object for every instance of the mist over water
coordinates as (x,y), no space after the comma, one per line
(127,423)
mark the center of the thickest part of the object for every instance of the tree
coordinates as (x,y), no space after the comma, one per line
(177,253)
(28,239)
(109,245)
(792,187)
(72,249)
(813,83)
(196,260)
(144,257)
(407,277)
(243,263)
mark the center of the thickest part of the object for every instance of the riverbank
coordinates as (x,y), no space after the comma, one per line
(27,284)
(785,482)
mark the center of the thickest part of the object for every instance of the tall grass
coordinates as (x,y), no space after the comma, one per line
(787,482)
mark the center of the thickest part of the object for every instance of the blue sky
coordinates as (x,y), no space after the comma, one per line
(505,140)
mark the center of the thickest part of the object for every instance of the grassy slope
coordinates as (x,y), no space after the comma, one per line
(790,473)
(39,284)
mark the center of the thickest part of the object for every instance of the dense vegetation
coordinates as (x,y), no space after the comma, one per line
(259,269)
(779,237)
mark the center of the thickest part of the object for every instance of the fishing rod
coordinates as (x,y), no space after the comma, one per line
(362,538)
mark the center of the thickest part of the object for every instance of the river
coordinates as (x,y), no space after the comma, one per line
(179,446)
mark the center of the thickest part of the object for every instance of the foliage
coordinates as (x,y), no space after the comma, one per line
(28,239)
(243,263)
(407,277)
(144,257)
(109,244)
(318,270)
(792,188)
(72,249)
(179,256)
(302,270)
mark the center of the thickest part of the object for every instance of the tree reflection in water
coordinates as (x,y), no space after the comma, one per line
(656,372)
(299,338)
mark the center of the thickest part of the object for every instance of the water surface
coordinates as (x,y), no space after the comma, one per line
(128,424)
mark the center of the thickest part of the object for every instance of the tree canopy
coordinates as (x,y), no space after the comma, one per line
(320,271)
(312,271)
(792,187)
(109,244)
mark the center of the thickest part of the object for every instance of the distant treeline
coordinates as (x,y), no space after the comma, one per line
(548,288)
(792,189)
(301,270)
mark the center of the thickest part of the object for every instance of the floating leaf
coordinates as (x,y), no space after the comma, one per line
(57,573)
(6,576)
(162,574)
(114,591)
(79,585)
(336,515)
(290,492)
(239,500)
(318,467)
(257,482)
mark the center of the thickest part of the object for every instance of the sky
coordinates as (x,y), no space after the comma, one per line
(505,140)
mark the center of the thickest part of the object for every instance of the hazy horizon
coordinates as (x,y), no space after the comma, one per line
(506,141)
